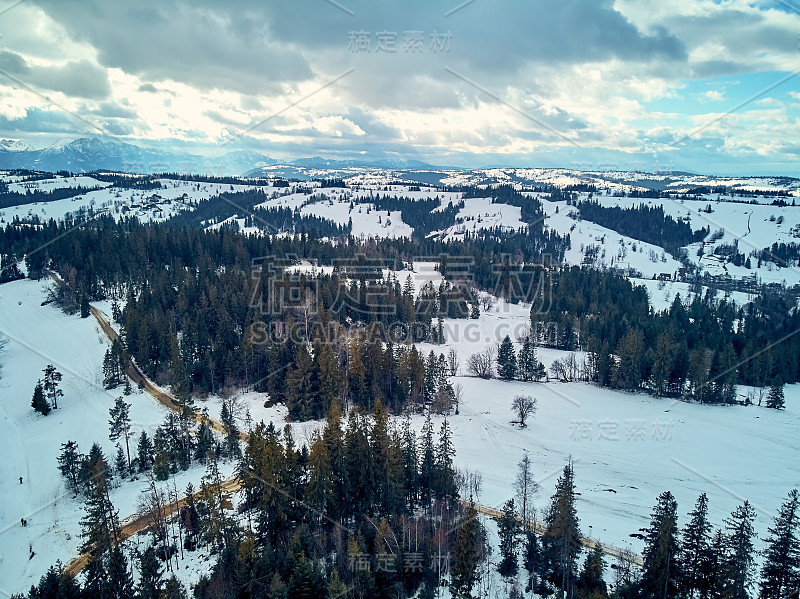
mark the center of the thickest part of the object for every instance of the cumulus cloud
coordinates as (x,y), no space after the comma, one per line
(714,95)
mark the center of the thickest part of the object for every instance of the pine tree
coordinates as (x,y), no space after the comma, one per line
(739,553)
(506,360)
(780,572)
(464,572)
(508,531)
(775,398)
(562,538)
(39,403)
(694,555)
(120,424)
(52,378)
(660,570)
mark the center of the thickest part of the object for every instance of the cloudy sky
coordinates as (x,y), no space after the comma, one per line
(697,85)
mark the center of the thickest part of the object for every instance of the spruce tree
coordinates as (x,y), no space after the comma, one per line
(427,462)
(232,436)
(120,464)
(445,475)
(508,530)
(120,424)
(69,463)
(739,552)
(526,360)
(150,575)
(306,582)
(590,582)
(111,374)
(539,371)
(84,305)
(506,360)
(475,312)
(660,570)
(533,561)
(173,589)
(562,538)
(119,584)
(144,452)
(695,548)
(100,524)
(780,572)
(775,398)
(464,572)
(39,403)
(116,313)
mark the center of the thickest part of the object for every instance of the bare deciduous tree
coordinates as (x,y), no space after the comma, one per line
(458,395)
(482,363)
(526,487)
(523,406)
(566,369)
(487,299)
(452,361)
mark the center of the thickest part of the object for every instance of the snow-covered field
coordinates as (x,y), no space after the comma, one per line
(147,205)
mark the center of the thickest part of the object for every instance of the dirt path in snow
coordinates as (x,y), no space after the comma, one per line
(138,523)
(139,378)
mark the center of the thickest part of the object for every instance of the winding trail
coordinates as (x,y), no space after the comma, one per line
(139,378)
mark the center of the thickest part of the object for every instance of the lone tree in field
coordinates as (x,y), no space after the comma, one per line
(120,424)
(52,378)
(775,397)
(523,406)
